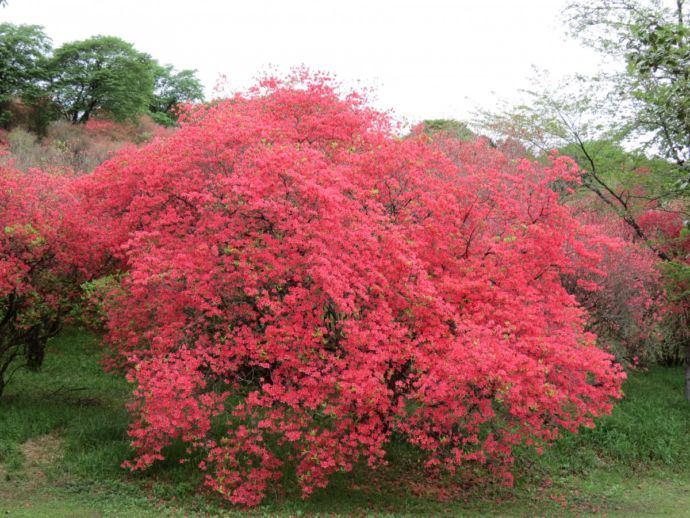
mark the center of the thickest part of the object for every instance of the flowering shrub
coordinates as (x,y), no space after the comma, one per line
(671,233)
(626,300)
(37,273)
(622,289)
(296,273)
(665,225)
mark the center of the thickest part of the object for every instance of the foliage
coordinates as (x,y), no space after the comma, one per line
(22,65)
(645,106)
(102,74)
(311,284)
(654,41)
(631,173)
(31,269)
(626,305)
(454,128)
(171,89)
(624,181)
(659,59)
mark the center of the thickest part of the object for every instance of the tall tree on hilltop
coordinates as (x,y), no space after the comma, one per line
(101,74)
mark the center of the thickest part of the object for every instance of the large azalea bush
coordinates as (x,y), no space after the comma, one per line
(294,278)
(42,263)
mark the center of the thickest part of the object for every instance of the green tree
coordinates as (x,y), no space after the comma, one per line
(652,38)
(101,74)
(456,128)
(172,88)
(23,51)
(643,105)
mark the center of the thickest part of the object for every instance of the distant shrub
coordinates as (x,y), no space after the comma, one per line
(79,148)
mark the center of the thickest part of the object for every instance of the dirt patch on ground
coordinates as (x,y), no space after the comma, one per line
(42,452)
(39,453)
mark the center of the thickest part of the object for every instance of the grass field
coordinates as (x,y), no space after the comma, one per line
(63,437)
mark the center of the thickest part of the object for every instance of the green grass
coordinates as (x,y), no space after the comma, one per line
(63,437)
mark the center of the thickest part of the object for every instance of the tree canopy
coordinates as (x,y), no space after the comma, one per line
(653,40)
(170,89)
(101,74)
(23,51)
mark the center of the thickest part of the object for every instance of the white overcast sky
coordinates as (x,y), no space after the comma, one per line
(424,59)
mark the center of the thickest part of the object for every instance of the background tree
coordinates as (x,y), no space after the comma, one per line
(101,74)
(644,106)
(450,127)
(652,38)
(23,51)
(172,88)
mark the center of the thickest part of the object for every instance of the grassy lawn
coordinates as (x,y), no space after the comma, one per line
(62,439)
